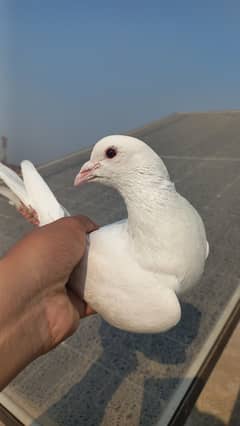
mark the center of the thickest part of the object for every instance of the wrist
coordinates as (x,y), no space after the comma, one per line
(24,333)
(20,343)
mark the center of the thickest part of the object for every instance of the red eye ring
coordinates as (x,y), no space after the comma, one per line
(111,152)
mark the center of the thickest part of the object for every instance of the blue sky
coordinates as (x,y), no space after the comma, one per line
(73,71)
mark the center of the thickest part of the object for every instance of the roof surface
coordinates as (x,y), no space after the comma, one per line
(105,376)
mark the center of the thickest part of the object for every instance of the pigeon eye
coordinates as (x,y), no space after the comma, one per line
(111,152)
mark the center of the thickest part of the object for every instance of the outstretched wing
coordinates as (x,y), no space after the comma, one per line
(15,183)
(12,198)
(41,197)
(16,194)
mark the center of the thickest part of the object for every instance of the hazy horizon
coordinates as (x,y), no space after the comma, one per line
(73,72)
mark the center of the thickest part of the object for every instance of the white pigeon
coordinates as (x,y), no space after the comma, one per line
(132,269)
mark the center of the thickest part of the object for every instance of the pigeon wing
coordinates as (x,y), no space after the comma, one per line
(15,183)
(42,200)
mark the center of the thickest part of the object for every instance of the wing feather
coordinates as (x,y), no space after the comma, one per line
(41,197)
(14,182)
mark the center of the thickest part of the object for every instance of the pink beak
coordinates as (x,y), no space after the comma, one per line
(86,173)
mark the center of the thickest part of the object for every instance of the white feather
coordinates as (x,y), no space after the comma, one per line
(7,193)
(40,196)
(15,183)
(32,192)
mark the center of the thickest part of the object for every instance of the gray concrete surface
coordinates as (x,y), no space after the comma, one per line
(103,376)
(219,402)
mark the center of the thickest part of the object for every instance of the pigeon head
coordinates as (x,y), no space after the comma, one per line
(119,160)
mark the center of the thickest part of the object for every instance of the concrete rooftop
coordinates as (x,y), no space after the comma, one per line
(103,376)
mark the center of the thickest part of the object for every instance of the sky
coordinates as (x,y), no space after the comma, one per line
(73,71)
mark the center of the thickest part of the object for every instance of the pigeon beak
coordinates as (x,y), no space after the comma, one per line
(86,173)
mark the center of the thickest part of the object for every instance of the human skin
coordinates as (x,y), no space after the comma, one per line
(38,309)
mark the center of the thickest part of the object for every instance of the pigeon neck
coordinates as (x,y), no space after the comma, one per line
(146,201)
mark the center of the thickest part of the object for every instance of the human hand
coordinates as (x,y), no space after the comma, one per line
(37,270)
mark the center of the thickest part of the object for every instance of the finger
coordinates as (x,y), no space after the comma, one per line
(82,308)
(89,310)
